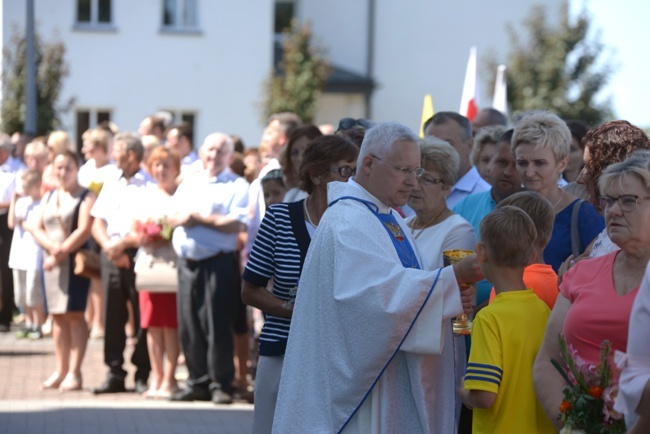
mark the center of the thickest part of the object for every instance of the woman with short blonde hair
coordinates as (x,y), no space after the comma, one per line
(541,143)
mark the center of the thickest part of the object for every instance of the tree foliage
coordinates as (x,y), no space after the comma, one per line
(556,68)
(51,69)
(300,77)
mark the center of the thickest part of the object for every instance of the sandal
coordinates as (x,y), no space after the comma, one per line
(167,392)
(52,382)
(70,383)
(150,393)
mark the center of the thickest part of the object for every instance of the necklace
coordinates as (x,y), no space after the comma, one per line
(558,201)
(308,216)
(429,223)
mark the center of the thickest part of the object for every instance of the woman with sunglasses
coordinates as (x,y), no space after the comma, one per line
(596,295)
(435,229)
(278,254)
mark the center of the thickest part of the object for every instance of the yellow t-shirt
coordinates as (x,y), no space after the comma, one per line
(506,337)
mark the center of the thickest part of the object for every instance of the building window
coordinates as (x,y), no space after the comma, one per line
(87,119)
(285,11)
(93,12)
(180,15)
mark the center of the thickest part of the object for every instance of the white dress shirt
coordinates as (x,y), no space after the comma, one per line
(119,201)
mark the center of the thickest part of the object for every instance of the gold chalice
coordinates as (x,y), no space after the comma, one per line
(461,325)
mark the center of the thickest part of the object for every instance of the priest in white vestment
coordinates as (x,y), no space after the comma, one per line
(365,312)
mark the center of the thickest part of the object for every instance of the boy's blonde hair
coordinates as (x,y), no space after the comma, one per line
(539,209)
(31,177)
(508,234)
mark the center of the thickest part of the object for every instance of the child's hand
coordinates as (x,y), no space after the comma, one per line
(463,394)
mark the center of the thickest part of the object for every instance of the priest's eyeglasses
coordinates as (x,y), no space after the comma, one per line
(406,171)
(626,202)
(429,181)
(344,171)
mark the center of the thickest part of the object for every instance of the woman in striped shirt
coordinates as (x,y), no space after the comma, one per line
(279,252)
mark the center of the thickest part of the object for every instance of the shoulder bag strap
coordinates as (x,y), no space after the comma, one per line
(575,229)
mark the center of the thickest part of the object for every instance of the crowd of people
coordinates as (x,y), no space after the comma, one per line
(307,275)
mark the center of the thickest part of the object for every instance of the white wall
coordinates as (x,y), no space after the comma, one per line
(137,70)
(334,106)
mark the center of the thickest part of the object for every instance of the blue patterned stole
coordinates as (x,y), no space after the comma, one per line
(394,230)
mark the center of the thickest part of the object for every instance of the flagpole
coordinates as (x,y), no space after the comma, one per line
(500,99)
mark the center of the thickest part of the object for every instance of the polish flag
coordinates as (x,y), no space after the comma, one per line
(469,100)
(500,99)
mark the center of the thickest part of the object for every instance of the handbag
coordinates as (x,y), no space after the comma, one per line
(87,264)
(155,269)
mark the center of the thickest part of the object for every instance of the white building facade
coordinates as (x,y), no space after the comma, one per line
(206,60)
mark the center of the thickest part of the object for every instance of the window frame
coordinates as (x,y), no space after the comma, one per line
(180,25)
(93,23)
(279,36)
(181,115)
(94,115)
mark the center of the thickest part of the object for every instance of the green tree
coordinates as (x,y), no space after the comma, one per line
(51,69)
(556,68)
(300,77)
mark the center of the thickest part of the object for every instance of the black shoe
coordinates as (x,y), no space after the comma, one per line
(4,328)
(221,397)
(192,394)
(141,386)
(112,385)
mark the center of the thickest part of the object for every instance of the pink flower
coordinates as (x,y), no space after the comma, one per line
(152,229)
(609,396)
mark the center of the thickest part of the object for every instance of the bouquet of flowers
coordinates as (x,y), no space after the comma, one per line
(155,230)
(588,404)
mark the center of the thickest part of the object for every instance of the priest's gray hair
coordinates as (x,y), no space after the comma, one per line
(379,139)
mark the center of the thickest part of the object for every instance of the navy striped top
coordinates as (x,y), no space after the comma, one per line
(279,252)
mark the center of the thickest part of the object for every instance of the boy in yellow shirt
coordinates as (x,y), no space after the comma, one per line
(507,334)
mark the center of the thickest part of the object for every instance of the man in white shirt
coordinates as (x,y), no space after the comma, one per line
(456,130)
(212,209)
(114,213)
(364,311)
(11,170)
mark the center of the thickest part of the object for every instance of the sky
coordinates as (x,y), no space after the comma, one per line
(625,33)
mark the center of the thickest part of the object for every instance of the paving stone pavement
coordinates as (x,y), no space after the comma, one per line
(25,409)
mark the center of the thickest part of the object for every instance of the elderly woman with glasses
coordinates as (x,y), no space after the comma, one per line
(596,295)
(609,143)
(435,229)
(278,254)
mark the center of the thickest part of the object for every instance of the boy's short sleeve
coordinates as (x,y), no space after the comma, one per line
(485,366)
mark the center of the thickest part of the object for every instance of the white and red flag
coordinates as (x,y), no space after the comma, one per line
(469,99)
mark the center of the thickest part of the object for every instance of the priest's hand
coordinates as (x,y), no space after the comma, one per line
(467,298)
(467,270)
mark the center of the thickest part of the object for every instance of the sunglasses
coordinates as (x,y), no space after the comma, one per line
(349,123)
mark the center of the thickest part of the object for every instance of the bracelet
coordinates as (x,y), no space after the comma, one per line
(287,304)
